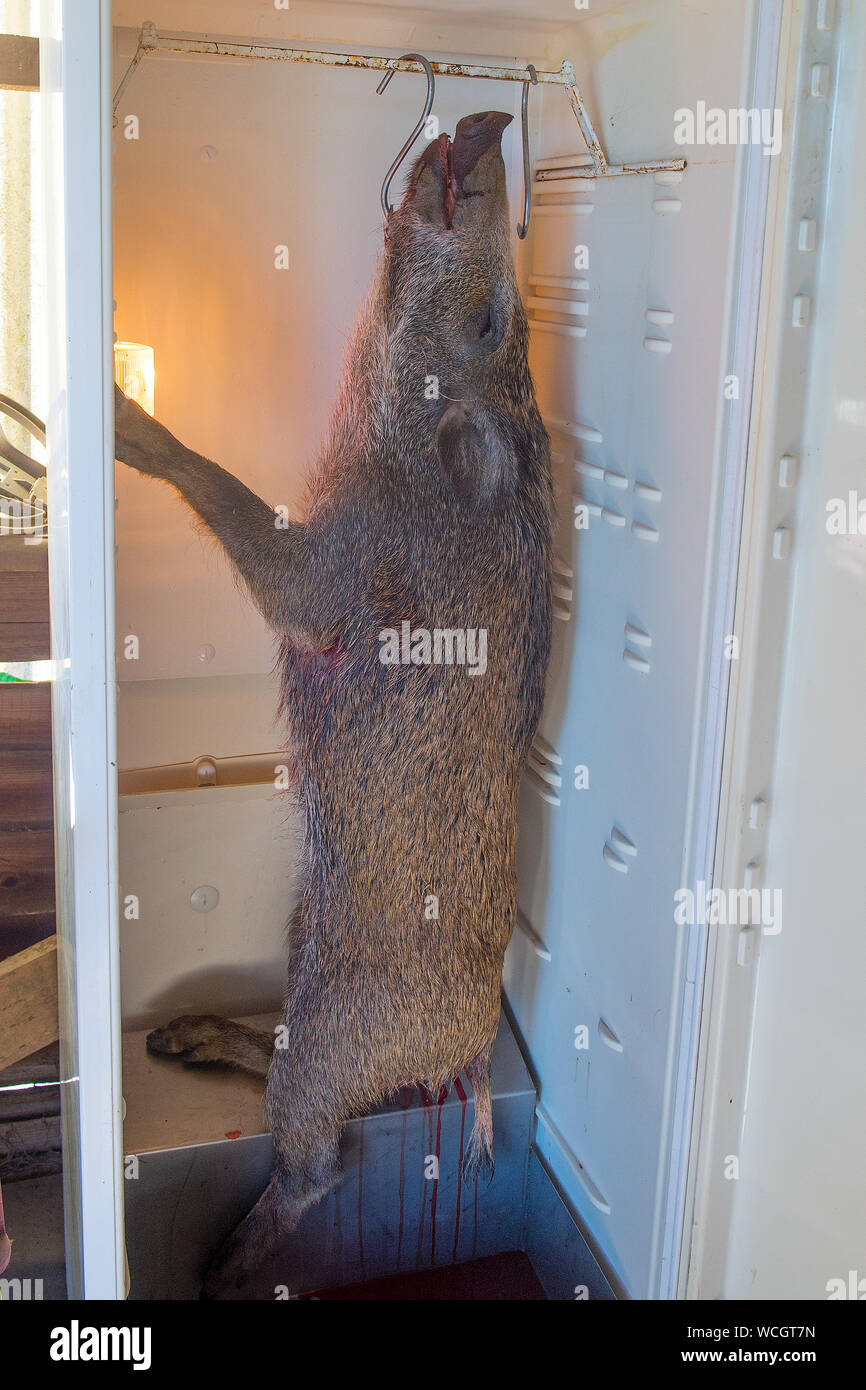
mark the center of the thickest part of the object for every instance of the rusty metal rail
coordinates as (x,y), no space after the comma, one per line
(151,41)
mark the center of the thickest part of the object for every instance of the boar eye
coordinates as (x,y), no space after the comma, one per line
(487,326)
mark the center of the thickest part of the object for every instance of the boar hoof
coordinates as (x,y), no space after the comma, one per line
(195,1038)
(231,1266)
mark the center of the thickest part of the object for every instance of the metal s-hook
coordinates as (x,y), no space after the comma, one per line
(523,227)
(428,106)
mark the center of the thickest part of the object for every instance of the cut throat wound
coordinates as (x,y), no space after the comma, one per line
(439,158)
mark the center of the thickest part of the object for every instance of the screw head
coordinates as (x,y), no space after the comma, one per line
(205,898)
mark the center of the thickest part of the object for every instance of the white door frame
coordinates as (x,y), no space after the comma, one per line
(765,24)
(763,612)
(75,57)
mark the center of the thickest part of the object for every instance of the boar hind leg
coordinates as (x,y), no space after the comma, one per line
(289,1194)
(198,1039)
(479,1153)
(305,1122)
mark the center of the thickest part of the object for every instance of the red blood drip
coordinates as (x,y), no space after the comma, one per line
(361,1204)
(458,1086)
(405,1104)
(427,1103)
(450,189)
(443,1093)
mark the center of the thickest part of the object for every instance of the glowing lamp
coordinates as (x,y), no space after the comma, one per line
(133,372)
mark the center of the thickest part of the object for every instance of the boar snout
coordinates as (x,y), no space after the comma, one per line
(474,136)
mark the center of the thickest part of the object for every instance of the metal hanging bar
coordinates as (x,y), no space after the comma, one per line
(151,41)
(146,30)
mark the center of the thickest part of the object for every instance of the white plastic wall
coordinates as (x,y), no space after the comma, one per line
(600,863)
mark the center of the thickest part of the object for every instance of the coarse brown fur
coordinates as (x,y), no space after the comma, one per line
(432,509)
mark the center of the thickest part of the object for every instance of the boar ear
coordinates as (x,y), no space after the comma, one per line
(476,459)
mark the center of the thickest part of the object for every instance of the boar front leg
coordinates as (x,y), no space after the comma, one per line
(285,569)
(199,1039)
